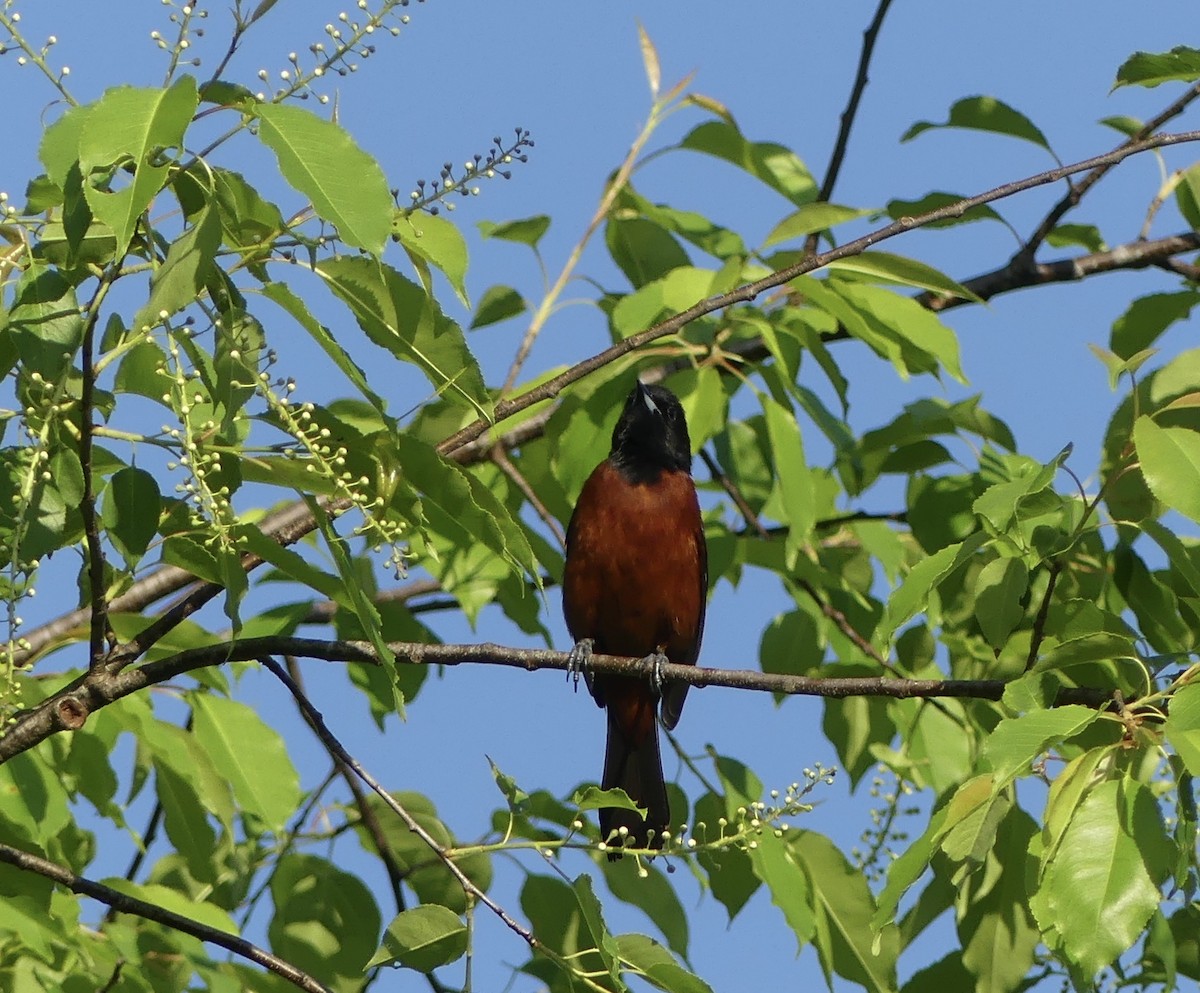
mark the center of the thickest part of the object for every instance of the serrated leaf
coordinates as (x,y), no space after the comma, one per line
(182,276)
(983,113)
(318,158)
(791,471)
(999,588)
(1170,462)
(1150,69)
(1017,741)
(1183,726)
(282,295)
(844,908)
(440,243)
(1100,892)
(138,129)
(400,316)
(913,594)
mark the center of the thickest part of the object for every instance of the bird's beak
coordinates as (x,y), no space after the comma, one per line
(646,398)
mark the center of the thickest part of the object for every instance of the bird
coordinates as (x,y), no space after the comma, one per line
(635,583)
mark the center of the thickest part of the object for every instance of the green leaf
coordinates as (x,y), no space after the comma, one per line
(975,811)
(1017,741)
(1100,894)
(59,147)
(130,512)
(903,271)
(497,304)
(423,938)
(466,502)
(812,217)
(985,114)
(999,589)
(281,294)
(326,922)
(251,756)
(1183,726)
(649,890)
(44,323)
(345,185)
(1180,64)
(176,902)
(912,596)
(1146,318)
(773,164)
(925,343)
(400,316)
(182,276)
(1187,196)
(648,958)
(526,231)
(679,289)
(844,909)
(138,129)
(792,474)
(439,243)
(1170,462)
(999,934)
(1085,235)
(643,250)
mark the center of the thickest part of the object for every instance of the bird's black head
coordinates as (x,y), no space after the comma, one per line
(651,434)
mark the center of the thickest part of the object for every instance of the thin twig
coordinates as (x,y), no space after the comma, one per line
(280,525)
(151,912)
(847,123)
(1077,190)
(87,508)
(1039,624)
(828,609)
(500,457)
(336,748)
(552,387)
(546,307)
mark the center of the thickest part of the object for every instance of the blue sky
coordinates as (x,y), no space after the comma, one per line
(572,74)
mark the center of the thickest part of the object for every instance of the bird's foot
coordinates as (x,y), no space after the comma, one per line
(656,661)
(579,661)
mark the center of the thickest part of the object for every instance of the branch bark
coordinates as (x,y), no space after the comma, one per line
(28,862)
(749,291)
(70,707)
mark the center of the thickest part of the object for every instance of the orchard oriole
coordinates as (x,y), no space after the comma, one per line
(635,584)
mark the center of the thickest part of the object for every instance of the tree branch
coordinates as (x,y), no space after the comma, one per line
(1016,276)
(69,708)
(847,122)
(335,747)
(749,291)
(1077,190)
(140,908)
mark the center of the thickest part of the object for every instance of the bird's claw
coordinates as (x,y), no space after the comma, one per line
(656,660)
(579,660)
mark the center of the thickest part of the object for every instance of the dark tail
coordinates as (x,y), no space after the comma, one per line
(635,768)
